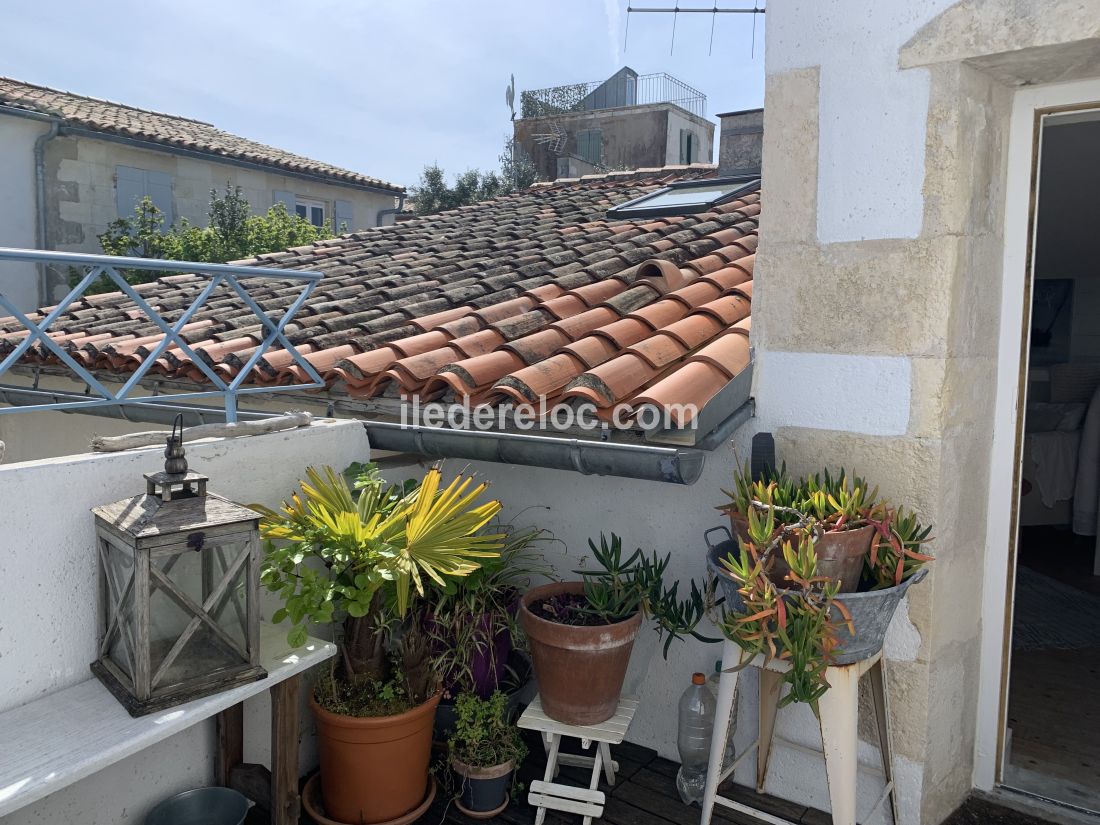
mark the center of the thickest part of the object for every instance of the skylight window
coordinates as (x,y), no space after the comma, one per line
(685,198)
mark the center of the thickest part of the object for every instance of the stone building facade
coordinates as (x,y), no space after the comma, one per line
(891,276)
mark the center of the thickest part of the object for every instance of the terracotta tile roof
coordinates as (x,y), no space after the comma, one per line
(534,294)
(171,130)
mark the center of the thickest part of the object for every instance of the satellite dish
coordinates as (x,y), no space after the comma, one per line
(510,96)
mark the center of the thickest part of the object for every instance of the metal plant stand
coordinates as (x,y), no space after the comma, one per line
(839,712)
(588,802)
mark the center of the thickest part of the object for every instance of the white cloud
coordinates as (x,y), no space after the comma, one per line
(614,32)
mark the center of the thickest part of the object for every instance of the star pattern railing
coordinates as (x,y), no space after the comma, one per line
(91,268)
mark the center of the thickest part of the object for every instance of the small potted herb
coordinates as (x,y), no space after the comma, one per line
(485,751)
(581,633)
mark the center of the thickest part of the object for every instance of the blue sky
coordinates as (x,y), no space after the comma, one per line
(379,86)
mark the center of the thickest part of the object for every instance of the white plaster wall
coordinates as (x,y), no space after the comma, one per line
(801,389)
(48,597)
(88,166)
(18,281)
(703,136)
(872,115)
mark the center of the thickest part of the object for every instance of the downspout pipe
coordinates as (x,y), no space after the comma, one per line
(40,206)
(668,464)
(384,213)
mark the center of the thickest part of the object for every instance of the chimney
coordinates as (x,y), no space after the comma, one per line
(742,141)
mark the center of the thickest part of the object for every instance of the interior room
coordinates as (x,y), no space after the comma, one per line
(1052,742)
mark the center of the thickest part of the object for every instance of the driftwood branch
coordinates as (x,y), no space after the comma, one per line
(287,421)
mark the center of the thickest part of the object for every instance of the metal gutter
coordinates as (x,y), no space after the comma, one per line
(669,464)
(382,213)
(145,412)
(153,146)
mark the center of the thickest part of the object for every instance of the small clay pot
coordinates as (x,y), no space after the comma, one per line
(579,669)
(374,769)
(484,791)
(840,555)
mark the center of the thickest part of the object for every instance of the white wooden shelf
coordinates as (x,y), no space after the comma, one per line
(50,743)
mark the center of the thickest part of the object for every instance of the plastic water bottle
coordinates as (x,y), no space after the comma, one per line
(713,682)
(693,742)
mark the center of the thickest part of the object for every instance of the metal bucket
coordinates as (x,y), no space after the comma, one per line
(871,611)
(202,806)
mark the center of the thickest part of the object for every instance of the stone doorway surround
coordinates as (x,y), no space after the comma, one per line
(883,261)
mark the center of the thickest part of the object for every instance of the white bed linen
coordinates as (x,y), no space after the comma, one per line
(1053,456)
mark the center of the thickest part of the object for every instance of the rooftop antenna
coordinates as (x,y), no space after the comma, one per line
(554,139)
(510,99)
(677,10)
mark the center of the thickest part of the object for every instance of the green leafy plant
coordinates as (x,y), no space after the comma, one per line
(619,588)
(484,737)
(793,624)
(360,554)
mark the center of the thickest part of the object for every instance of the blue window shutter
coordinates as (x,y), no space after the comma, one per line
(129,189)
(287,199)
(589,145)
(343,213)
(158,186)
(686,146)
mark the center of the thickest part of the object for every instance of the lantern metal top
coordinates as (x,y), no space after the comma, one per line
(175,481)
(176,501)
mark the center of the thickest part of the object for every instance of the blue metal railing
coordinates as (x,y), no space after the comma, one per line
(95,267)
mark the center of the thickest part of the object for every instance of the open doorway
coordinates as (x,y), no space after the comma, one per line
(1052,733)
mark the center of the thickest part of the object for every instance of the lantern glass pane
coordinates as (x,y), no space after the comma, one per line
(118,561)
(231,613)
(194,631)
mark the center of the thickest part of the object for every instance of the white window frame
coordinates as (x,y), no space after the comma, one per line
(311,204)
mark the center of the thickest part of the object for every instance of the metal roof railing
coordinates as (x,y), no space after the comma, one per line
(89,269)
(624,88)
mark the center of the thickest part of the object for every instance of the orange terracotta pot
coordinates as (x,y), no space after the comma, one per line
(579,670)
(374,769)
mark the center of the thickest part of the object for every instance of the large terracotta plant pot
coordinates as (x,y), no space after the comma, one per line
(374,769)
(580,670)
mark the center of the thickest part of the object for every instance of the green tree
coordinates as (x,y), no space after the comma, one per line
(232,233)
(433,194)
(516,167)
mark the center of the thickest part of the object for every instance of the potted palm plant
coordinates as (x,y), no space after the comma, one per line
(358,555)
(485,750)
(581,633)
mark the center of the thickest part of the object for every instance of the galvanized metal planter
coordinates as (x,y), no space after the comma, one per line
(871,611)
(179,590)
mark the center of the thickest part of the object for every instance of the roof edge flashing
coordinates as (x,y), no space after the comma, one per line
(647,463)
